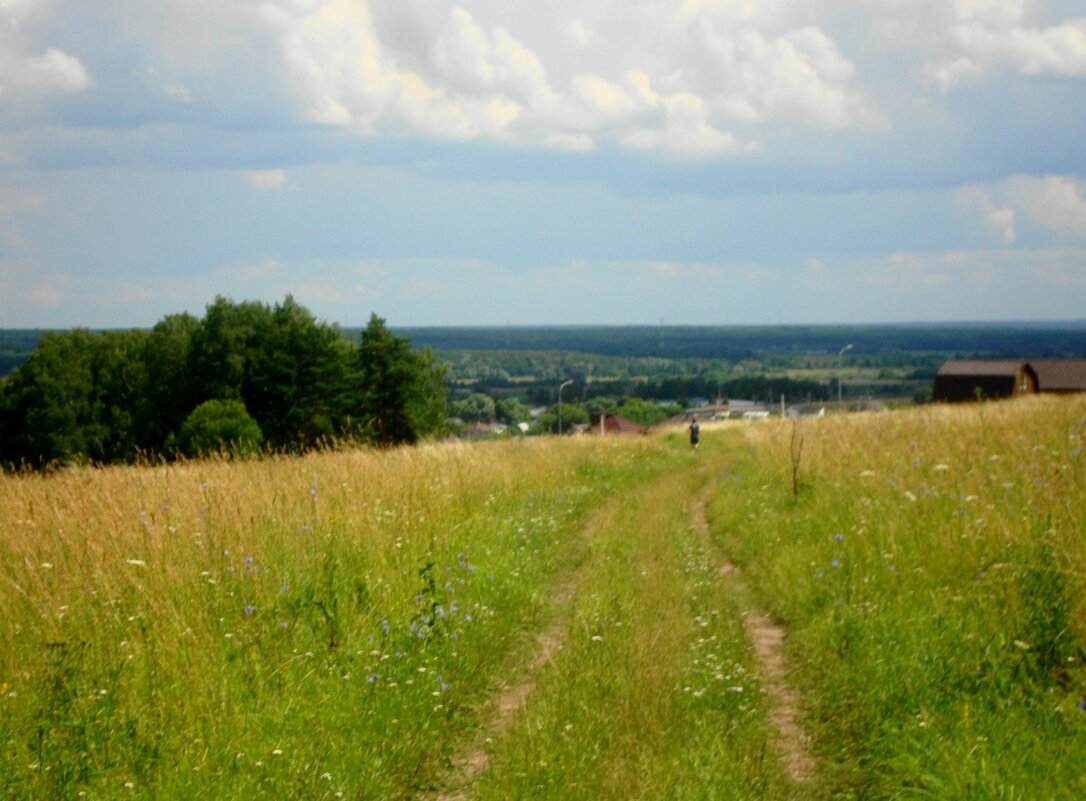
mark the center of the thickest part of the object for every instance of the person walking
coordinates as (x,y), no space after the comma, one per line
(695,433)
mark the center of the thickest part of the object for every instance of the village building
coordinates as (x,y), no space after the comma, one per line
(1060,375)
(969,380)
(606,424)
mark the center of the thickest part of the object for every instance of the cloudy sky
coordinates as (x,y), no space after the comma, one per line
(526,162)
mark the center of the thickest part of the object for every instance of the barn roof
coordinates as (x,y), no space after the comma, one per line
(1060,375)
(981,367)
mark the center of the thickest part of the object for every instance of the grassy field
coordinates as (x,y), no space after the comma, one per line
(931,572)
(543,619)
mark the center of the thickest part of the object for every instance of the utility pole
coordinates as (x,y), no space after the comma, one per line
(840,378)
(560,388)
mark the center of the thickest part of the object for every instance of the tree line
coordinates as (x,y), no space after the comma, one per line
(245,376)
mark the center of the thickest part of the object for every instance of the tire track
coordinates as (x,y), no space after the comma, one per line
(767,638)
(504,706)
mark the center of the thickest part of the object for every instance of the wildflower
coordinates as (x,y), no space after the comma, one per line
(284,624)
(249,609)
(277,752)
(835,563)
(838,537)
(1082,706)
(248,560)
(940,468)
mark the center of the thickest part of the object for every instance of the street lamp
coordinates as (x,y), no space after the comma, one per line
(560,388)
(841,367)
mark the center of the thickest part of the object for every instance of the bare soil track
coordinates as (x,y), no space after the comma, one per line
(767,637)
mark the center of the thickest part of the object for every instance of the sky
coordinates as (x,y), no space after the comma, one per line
(516,162)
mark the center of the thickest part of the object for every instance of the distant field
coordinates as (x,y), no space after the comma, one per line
(551,618)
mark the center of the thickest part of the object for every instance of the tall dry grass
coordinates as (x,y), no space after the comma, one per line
(933,571)
(229,627)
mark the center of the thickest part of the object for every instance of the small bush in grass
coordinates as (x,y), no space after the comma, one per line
(219,426)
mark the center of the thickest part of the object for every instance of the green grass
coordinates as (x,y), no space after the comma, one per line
(341,625)
(931,571)
(654,694)
(292,628)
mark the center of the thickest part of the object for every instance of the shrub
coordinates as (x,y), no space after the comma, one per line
(218,425)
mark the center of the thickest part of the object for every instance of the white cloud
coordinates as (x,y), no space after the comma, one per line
(998,218)
(800,76)
(175,91)
(479,61)
(45,295)
(52,71)
(266,180)
(687,133)
(982,48)
(472,79)
(993,12)
(909,271)
(1055,202)
(29,69)
(578,33)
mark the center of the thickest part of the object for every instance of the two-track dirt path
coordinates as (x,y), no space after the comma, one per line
(767,637)
(500,713)
(502,709)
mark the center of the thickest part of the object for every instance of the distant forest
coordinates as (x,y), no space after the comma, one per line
(737,343)
(884,345)
(253,376)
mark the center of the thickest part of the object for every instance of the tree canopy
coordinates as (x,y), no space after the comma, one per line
(115,395)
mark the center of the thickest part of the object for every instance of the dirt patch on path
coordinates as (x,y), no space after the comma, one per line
(504,706)
(768,640)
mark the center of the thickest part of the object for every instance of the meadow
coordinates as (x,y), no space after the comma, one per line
(545,619)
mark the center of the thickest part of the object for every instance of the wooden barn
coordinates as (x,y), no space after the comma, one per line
(970,380)
(1060,375)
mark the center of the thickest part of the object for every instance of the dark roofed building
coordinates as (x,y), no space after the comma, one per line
(967,380)
(613,424)
(1060,375)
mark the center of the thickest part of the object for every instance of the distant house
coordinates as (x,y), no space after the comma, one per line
(477,430)
(1060,375)
(967,380)
(608,424)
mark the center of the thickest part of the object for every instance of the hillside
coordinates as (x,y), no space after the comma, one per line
(855,606)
